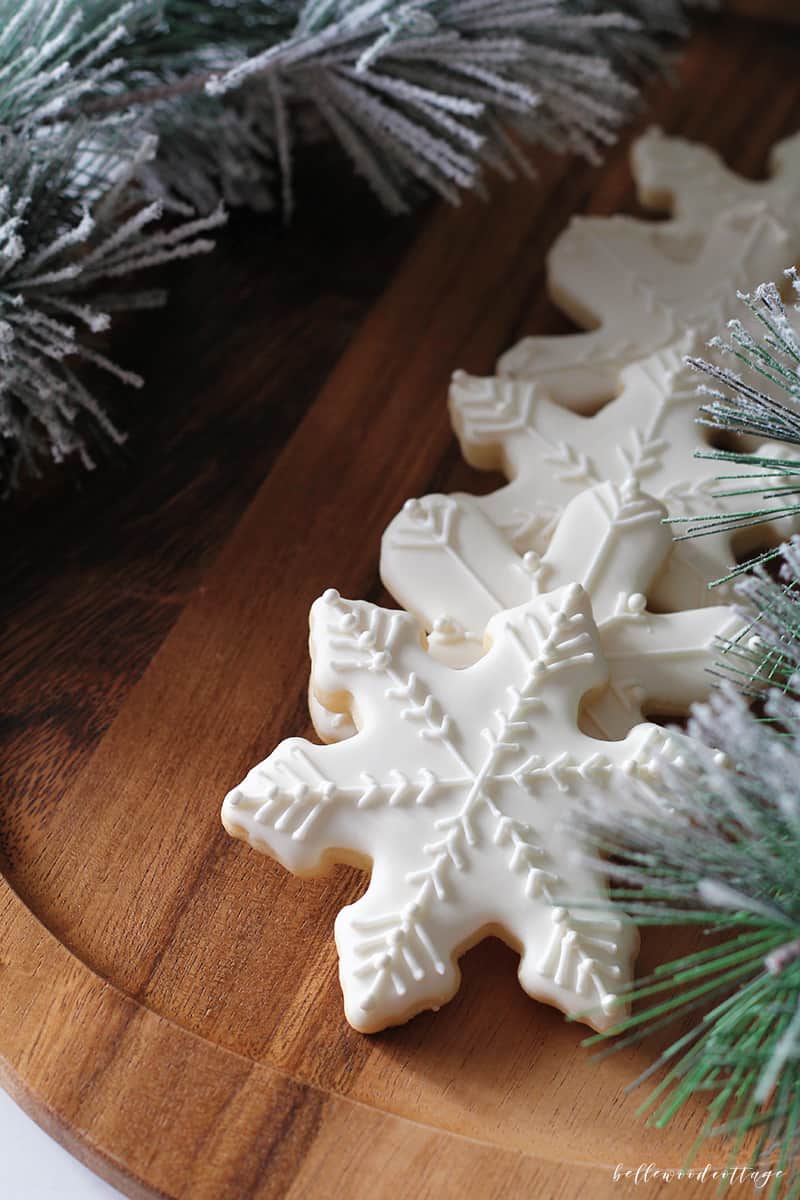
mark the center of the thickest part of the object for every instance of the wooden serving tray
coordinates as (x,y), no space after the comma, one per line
(169,1000)
(771,10)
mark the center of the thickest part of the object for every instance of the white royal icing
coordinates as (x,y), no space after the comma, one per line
(461,788)
(455,791)
(441,555)
(648,293)
(692,182)
(445,562)
(647,434)
(653,292)
(640,286)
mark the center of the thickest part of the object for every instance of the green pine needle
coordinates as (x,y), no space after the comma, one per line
(721,852)
(739,404)
(152,109)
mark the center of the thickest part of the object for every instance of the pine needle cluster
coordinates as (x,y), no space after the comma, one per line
(757,398)
(126,129)
(721,852)
(714,842)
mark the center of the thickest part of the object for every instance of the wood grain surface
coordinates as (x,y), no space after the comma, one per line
(170,1002)
(771,10)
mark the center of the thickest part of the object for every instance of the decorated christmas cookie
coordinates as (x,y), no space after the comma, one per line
(457,792)
(639,286)
(691,181)
(447,564)
(444,561)
(646,434)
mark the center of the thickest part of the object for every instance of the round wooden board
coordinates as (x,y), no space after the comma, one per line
(170,1000)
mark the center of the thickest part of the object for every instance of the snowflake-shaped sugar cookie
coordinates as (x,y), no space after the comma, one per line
(457,791)
(646,434)
(691,181)
(445,562)
(448,565)
(640,286)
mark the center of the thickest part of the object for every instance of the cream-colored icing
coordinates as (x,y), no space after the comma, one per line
(647,434)
(640,286)
(690,181)
(457,790)
(648,294)
(454,785)
(445,562)
(611,539)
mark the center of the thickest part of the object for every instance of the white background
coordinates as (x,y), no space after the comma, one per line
(34,1167)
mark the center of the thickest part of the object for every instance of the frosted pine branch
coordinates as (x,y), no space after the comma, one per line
(721,854)
(766,652)
(52,248)
(758,397)
(113,116)
(414,92)
(404,87)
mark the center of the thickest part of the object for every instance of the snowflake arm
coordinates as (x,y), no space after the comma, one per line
(693,184)
(299,804)
(469,573)
(606,534)
(658,662)
(503,424)
(354,648)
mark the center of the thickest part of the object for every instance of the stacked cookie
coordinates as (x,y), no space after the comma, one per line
(539,622)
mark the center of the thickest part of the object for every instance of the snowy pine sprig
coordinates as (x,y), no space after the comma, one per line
(716,844)
(53,251)
(758,397)
(74,222)
(714,840)
(114,116)
(765,652)
(422,92)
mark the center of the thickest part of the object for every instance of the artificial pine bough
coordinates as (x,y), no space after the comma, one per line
(723,851)
(113,115)
(760,397)
(762,402)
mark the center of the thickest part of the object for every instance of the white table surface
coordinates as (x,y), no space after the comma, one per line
(34,1167)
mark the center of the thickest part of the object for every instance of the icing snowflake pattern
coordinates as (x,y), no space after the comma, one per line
(465,832)
(646,435)
(611,539)
(647,294)
(640,286)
